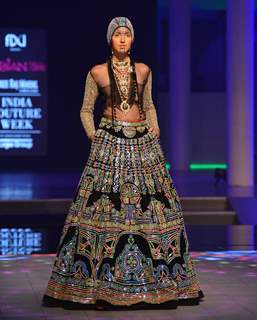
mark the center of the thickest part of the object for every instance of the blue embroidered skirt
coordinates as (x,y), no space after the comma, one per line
(124,239)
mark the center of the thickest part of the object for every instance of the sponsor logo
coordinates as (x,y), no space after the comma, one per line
(15,42)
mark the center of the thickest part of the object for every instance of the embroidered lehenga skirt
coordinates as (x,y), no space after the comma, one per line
(124,239)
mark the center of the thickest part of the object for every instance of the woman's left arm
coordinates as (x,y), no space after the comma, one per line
(150,110)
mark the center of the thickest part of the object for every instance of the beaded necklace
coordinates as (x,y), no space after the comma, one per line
(122,74)
(123,90)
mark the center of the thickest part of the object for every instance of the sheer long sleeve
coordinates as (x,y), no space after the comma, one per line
(151,114)
(87,109)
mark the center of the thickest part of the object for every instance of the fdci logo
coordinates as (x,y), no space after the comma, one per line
(15,42)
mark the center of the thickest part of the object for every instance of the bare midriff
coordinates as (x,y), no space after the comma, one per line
(132,115)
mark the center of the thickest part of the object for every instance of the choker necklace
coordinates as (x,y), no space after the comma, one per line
(119,64)
(122,66)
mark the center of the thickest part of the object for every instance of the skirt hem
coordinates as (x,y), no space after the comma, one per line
(50,301)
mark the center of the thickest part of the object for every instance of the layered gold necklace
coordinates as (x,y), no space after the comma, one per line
(122,71)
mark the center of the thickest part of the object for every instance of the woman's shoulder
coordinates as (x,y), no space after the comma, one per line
(143,71)
(97,69)
(142,67)
(98,72)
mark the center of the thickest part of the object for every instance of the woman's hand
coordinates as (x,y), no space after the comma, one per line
(155,131)
(92,137)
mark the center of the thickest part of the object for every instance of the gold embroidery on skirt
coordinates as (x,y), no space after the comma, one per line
(124,239)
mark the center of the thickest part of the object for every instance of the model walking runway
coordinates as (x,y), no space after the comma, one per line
(124,239)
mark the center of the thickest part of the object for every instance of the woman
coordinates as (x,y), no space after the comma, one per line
(124,239)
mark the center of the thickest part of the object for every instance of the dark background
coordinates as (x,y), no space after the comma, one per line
(76,41)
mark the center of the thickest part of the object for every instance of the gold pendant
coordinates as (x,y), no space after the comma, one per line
(124,106)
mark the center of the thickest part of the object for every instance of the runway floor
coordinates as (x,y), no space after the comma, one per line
(228,280)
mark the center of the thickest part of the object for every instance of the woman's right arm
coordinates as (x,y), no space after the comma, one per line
(88,105)
(149,107)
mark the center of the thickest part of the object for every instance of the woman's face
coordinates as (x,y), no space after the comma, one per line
(121,40)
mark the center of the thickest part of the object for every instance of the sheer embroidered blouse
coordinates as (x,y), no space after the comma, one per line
(95,85)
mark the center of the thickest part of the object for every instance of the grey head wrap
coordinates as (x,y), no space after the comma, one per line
(116,23)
